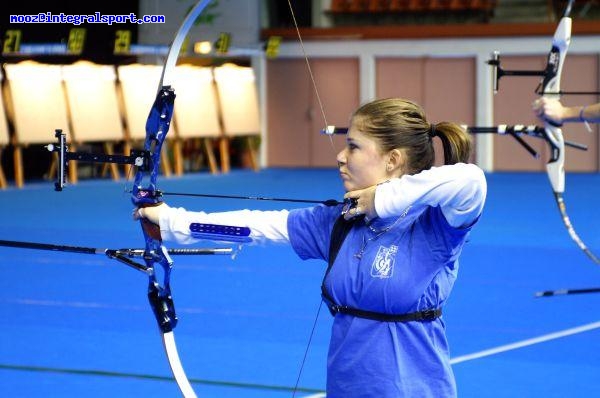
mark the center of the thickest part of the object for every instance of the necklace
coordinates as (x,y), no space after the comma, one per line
(377,234)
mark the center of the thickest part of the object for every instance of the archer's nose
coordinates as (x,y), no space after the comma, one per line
(341,158)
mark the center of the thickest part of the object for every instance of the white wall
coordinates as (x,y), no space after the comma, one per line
(368,51)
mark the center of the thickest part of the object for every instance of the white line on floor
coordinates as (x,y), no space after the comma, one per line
(525,343)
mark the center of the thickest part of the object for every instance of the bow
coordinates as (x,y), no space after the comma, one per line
(550,88)
(155,254)
(144,193)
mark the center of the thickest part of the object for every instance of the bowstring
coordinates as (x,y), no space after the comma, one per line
(310,73)
(322,108)
(310,337)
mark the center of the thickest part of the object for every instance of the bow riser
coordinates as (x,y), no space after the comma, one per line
(551,89)
(556,58)
(157,127)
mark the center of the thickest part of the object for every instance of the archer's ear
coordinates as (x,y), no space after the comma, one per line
(397,161)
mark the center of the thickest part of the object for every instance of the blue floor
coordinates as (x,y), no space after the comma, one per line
(78,325)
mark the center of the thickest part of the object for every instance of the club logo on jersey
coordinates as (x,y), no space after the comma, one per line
(383,265)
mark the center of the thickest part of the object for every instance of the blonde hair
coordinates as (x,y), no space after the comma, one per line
(397,123)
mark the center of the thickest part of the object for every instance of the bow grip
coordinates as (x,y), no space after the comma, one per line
(148,198)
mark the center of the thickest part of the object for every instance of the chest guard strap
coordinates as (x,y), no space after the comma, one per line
(341,228)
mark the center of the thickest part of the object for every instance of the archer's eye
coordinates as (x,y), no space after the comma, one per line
(352,146)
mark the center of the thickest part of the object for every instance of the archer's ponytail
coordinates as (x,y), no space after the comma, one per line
(455,141)
(399,123)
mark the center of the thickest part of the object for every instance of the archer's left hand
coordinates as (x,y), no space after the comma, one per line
(151,213)
(365,203)
(549,110)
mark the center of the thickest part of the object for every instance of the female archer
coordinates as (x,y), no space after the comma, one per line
(393,256)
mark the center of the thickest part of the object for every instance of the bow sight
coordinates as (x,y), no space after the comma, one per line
(141,159)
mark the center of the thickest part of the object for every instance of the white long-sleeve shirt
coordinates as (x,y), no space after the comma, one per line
(458,189)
